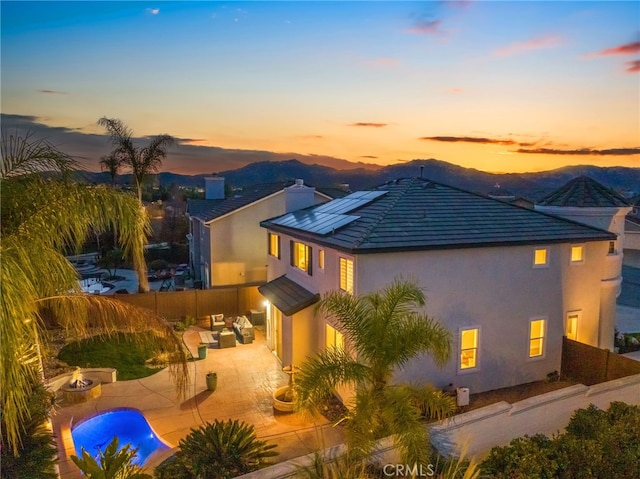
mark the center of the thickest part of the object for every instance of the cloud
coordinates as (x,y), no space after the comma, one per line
(369,156)
(369,124)
(187,141)
(455,90)
(311,137)
(627,49)
(426,27)
(153,11)
(583,151)
(539,43)
(633,66)
(54,92)
(471,139)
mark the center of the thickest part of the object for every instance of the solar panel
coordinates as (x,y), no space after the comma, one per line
(312,222)
(350,202)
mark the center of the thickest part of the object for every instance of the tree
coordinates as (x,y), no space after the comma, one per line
(142,161)
(385,332)
(40,218)
(111,163)
(114,463)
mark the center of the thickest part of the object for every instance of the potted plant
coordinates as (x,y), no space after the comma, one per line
(212,381)
(202,350)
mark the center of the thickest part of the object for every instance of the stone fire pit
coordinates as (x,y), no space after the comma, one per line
(80,389)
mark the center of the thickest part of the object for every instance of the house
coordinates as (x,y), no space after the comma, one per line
(509,282)
(226,243)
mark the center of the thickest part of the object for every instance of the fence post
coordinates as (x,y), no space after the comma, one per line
(197,304)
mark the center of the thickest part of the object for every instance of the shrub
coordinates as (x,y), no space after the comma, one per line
(596,443)
(114,463)
(221,450)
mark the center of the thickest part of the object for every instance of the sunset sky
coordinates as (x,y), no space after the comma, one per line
(498,86)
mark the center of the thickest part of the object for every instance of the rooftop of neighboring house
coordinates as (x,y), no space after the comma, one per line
(584,192)
(207,210)
(420,214)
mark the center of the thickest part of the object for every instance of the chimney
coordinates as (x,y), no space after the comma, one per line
(298,196)
(214,188)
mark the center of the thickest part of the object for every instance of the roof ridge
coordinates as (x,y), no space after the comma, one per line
(383,215)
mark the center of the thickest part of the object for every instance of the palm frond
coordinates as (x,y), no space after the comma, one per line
(433,403)
(321,374)
(24,155)
(417,333)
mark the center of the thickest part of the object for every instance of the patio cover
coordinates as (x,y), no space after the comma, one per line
(288,296)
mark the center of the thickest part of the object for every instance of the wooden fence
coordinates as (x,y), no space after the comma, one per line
(590,365)
(173,305)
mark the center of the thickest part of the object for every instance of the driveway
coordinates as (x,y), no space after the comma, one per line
(247,376)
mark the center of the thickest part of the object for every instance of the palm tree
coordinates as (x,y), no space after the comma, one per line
(385,331)
(41,217)
(142,161)
(111,163)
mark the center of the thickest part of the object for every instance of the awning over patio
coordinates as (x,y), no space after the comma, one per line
(288,296)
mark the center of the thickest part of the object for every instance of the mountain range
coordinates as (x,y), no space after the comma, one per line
(532,186)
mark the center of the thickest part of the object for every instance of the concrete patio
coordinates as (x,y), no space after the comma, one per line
(247,376)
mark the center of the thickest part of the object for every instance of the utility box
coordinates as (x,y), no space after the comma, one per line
(462,396)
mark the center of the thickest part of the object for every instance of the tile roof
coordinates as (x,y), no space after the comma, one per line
(419,214)
(584,192)
(287,295)
(208,210)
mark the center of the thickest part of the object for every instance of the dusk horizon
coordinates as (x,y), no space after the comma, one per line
(502,87)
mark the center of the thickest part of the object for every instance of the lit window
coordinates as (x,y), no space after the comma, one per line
(346,275)
(301,256)
(540,257)
(274,245)
(468,348)
(321,259)
(333,338)
(612,248)
(536,337)
(577,254)
(572,325)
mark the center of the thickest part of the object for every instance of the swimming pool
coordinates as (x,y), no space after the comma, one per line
(131,427)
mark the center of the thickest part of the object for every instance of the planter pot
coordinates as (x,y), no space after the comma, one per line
(202,351)
(279,404)
(212,381)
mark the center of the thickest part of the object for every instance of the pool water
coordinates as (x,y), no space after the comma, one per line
(131,427)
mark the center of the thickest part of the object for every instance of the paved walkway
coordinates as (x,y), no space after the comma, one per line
(247,376)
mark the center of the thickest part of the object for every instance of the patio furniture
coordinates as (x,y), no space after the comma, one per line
(244,330)
(227,339)
(217,322)
(208,337)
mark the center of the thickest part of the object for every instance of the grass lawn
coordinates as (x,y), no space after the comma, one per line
(119,351)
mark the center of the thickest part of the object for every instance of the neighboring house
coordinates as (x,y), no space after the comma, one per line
(508,282)
(226,243)
(632,241)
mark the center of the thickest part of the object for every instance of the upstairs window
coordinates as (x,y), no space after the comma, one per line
(469,348)
(301,256)
(321,259)
(274,245)
(612,248)
(346,275)
(333,338)
(540,258)
(537,332)
(577,254)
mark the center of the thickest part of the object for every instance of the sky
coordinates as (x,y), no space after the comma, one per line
(500,86)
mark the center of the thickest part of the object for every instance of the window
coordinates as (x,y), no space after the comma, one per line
(346,275)
(301,256)
(573,317)
(274,245)
(577,254)
(333,338)
(469,348)
(612,248)
(321,259)
(536,337)
(540,258)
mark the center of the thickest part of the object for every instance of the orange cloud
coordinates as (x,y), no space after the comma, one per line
(633,66)
(583,151)
(539,43)
(627,49)
(471,139)
(54,92)
(455,90)
(369,124)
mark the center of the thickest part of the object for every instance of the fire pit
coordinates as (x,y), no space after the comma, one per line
(80,389)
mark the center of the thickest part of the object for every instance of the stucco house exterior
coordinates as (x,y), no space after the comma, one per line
(226,243)
(509,282)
